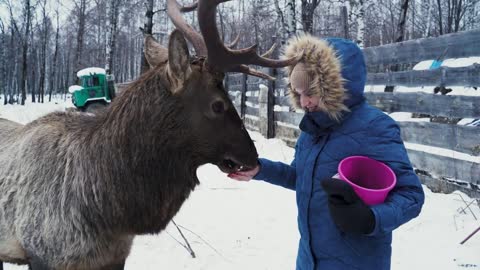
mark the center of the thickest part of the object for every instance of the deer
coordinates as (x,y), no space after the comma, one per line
(75,189)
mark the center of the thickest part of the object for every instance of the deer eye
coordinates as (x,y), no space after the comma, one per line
(218,107)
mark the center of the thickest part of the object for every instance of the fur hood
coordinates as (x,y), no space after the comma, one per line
(337,69)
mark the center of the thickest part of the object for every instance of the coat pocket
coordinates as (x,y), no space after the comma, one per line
(368,246)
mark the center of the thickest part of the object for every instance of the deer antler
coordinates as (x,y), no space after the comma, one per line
(174,12)
(219,56)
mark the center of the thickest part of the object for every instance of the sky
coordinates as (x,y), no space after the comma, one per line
(236,226)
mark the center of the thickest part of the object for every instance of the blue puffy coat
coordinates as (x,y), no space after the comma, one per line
(323,143)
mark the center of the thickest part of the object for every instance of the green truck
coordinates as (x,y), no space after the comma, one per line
(96,89)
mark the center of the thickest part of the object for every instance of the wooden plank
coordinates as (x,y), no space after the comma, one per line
(235,78)
(231,96)
(250,123)
(439,105)
(446,167)
(448,186)
(445,76)
(251,111)
(253,100)
(286,133)
(291,118)
(283,101)
(234,88)
(455,45)
(454,137)
(280,81)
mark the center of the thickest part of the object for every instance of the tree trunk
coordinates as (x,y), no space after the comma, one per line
(426,33)
(440,22)
(43,54)
(291,18)
(308,9)
(52,83)
(344,16)
(80,35)
(283,24)
(360,37)
(402,21)
(3,76)
(112,12)
(147,29)
(23,82)
(400,35)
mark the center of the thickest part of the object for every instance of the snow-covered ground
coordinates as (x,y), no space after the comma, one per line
(232,225)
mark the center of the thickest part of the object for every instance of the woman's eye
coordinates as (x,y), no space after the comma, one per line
(217,107)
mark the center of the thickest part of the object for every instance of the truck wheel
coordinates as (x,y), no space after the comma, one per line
(95,107)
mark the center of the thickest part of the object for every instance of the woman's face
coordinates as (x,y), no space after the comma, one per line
(308,102)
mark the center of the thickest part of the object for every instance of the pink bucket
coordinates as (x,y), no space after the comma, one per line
(370,179)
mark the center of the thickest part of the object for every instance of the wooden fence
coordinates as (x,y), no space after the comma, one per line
(265,107)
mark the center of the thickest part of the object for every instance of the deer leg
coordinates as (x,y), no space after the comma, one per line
(1,265)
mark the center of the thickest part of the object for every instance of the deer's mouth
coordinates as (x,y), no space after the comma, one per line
(230,165)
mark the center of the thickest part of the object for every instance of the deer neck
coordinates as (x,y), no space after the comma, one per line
(149,157)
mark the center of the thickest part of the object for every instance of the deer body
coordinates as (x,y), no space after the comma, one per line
(68,168)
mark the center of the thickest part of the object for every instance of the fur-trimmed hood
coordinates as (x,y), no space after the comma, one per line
(337,68)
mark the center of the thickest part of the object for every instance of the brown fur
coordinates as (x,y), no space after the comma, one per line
(325,70)
(75,189)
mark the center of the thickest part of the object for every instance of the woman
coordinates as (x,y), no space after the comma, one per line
(338,231)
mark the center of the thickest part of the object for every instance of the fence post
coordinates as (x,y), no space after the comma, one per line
(270,104)
(263,110)
(243,96)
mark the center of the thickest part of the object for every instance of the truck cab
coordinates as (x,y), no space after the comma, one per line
(95,89)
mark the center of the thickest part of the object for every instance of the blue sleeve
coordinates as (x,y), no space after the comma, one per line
(405,200)
(277,173)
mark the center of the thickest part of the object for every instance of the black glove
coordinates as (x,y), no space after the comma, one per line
(348,211)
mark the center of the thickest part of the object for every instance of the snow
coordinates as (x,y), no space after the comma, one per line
(74,88)
(236,225)
(90,71)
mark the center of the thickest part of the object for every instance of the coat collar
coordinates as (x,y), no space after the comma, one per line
(318,124)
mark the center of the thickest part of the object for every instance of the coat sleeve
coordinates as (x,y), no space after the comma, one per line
(405,200)
(277,173)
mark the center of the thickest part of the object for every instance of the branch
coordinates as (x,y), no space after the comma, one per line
(188,247)
(208,244)
(160,10)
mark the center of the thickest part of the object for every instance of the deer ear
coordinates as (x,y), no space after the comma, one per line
(154,52)
(178,59)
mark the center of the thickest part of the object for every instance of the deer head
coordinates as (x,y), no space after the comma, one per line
(197,83)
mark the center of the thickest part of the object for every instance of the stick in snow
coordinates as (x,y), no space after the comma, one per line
(188,247)
(468,237)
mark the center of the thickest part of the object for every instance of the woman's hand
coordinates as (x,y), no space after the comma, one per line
(245,175)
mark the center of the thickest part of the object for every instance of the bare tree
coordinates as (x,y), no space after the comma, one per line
(112,13)
(27,21)
(2,63)
(308,9)
(291,18)
(281,19)
(53,68)
(81,8)
(147,29)
(43,54)
(400,34)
